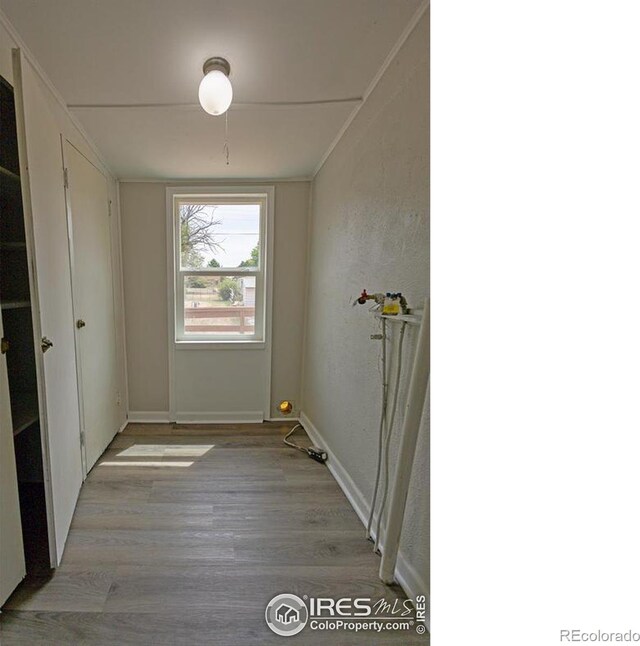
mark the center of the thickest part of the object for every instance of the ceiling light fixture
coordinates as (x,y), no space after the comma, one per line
(215,91)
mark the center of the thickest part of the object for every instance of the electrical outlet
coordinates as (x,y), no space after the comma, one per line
(118,400)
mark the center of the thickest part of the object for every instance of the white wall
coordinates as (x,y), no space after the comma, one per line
(369,229)
(144,248)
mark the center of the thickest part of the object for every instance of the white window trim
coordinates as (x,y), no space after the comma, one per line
(259,273)
(267,193)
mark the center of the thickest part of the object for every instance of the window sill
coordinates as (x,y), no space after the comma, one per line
(220,345)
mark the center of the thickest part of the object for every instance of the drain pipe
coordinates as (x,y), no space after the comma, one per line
(406,452)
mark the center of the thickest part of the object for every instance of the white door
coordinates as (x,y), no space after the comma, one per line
(12,568)
(92,281)
(48,214)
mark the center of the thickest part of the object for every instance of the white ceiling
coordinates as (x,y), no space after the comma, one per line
(132,52)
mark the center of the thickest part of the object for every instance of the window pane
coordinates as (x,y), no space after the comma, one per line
(219,305)
(218,235)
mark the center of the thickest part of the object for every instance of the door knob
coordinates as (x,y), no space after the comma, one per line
(80,323)
(46,344)
(4,346)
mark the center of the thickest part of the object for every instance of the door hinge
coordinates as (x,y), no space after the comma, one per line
(109,208)
(66,178)
(82,438)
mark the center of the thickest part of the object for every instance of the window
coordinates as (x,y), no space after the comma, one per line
(219,259)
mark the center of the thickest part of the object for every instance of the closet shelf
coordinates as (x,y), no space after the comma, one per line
(10,174)
(14,305)
(24,410)
(13,245)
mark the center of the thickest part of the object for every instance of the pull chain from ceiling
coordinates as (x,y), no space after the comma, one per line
(225,148)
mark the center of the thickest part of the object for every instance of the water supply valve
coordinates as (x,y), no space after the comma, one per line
(364,297)
(389,304)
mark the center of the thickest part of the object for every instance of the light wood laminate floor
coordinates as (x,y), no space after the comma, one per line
(191,549)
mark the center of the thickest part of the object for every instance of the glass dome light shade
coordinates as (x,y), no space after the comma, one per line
(215,92)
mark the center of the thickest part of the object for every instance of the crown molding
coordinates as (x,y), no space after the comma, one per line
(408,30)
(222,181)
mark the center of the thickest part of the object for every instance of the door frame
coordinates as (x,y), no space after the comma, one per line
(266,345)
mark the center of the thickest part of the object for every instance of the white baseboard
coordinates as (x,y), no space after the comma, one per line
(149,417)
(241,417)
(348,486)
(124,425)
(159,417)
(207,417)
(410,581)
(283,419)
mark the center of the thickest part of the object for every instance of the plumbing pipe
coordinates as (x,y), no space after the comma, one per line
(387,441)
(406,452)
(381,429)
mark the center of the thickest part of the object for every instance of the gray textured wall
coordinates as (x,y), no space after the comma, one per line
(370,228)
